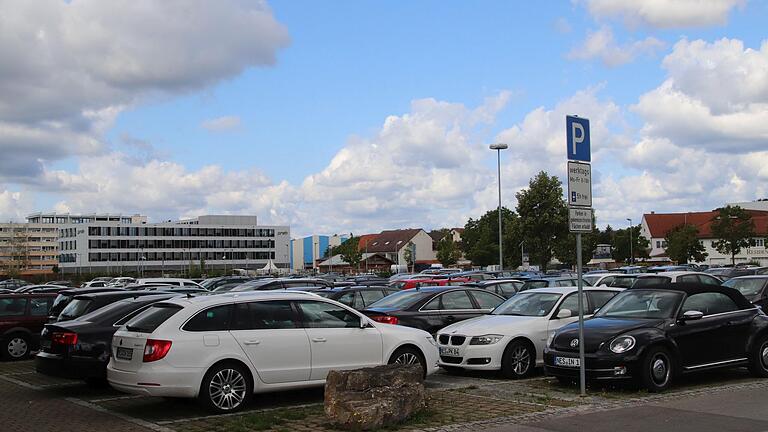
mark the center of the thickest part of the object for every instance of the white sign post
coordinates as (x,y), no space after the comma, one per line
(579,209)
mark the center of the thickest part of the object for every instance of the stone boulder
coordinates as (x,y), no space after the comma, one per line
(375,397)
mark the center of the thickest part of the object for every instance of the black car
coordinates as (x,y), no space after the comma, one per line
(274,284)
(66,296)
(47,288)
(754,288)
(212,283)
(432,308)
(80,348)
(13,284)
(503,287)
(653,334)
(726,273)
(358,297)
(82,304)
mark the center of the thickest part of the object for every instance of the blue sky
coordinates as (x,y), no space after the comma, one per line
(334,72)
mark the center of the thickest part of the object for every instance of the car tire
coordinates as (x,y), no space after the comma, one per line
(518,361)
(656,370)
(409,356)
(16,347)
(758,358)
(226,388)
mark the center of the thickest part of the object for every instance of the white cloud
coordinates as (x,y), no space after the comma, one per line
(70,67)
(666,13)
(14,205)
(220,124)
(601,45)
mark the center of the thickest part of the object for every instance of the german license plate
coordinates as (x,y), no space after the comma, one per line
(567,362)
(124,353)
(450,352)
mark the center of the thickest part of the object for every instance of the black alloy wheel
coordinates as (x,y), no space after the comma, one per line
(518,360)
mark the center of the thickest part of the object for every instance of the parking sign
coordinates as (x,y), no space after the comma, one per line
(577,138)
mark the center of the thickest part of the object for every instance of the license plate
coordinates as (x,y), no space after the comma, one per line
(124,353)
(450,352)
(567,362)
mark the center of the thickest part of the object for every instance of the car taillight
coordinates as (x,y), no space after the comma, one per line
(386,319)
(156,349)
(62,338)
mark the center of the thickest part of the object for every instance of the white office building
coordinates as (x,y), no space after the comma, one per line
(221,242)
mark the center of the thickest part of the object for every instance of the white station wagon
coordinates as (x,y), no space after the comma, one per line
(512,338)
(223,348)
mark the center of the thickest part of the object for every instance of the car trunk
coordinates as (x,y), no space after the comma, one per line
(128,350)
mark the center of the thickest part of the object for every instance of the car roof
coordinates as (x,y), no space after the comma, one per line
(760,276)
(568,290)
(674,274)
(230,297)
(690,288)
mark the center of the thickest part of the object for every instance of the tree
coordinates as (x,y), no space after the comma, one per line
(640,244)
(565,247)
(349,251)
(17,250)
(409,256)
(543,217)
(480,239)
(733,228)
(448,252)
(683,244)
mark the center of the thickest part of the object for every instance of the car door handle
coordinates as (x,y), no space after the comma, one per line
(450,318)
(252,342)
(318,339)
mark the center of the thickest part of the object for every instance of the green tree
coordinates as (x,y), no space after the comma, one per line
(480,240)
(565,247)
(448,252)
(409,256)
(350,252)
(683,244)
(733,228)
(543,217)
(640,245)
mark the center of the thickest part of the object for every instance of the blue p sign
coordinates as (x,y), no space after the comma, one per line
(577,138)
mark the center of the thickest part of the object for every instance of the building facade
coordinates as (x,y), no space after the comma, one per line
(307,252)
(210,242)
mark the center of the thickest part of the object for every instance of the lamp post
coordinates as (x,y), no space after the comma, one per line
(224,258)
(499,147)
(143,259)
(631,255)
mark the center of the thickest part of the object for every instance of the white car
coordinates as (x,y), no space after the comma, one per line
(223,348)
(512,338)
(168,281)
(650,279)
(598,279)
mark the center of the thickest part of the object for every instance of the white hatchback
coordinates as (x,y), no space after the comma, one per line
(223,348)
(512,338)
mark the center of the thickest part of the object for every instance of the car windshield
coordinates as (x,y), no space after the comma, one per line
(623,282)
(748,287)
(650,281)
(641,304)
(400,300)
(528,304)
(534,284)
(75,308)
(592,278)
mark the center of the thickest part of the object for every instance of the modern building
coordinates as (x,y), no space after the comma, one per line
(220,242)
(306,252)
(655,227)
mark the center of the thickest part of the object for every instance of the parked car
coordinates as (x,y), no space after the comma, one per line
(604,278)
(65,296)
(82,304)
(13,284)
(547,282)
(512,338)
(626,280)
(675,277)
(357,297)
(212,283)
(265,341)
(22,316)
(80,348)
(754,288)
(433,308)
(167,281)
(473,275)
(436,281)
(42,288)
(503,287)
(121,281)
(726,273)
(282,283)
(668,268)
(654,334)
(93,284)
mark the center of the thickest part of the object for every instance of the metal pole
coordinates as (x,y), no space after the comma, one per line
(631,254)
(582,366)
(498,164)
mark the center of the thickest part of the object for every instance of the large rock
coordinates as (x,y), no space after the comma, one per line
(372,398)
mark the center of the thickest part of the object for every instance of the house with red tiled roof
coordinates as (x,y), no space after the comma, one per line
(655,227)
(394,243)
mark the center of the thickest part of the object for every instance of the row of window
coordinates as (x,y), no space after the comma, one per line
(755,242)
(168,256)
(77,220)
(134,231)
(68,245)
(179,244)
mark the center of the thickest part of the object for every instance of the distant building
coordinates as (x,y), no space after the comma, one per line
(655,227)
(394,243)
(220,241)
(370,262)
(306,252)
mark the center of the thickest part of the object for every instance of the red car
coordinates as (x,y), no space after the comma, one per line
(413,283)
(22,317)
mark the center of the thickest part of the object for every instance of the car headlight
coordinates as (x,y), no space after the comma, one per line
(622,344)
(432,340)
(485,340)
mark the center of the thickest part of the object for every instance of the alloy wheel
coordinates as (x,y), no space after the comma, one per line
(227,389)
(407,358)
(521,360)
(17,347)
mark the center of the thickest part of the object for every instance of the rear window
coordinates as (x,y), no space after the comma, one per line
(650,281)
(59,303)
(76,308)
(623,282)
(534,284)
(151,318)
(400,299)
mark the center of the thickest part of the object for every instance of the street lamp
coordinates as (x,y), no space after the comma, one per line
(631,255)
(143,259)
(224,258)
(499,147)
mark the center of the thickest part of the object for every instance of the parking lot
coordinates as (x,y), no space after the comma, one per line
(32,402)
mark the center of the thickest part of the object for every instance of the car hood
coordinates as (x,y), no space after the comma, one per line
(489,324)
(597,331)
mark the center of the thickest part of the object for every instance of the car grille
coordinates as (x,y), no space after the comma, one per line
(444,339)
(451,360)
(458,340)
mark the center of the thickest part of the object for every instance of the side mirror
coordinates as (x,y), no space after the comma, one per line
(564,313)
(364,324)
(692,315)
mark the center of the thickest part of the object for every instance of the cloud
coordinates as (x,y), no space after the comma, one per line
(601,45)
(14,205)
(69,68)
(220,124)
(666,13)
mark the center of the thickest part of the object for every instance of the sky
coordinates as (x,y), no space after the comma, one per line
(358,116)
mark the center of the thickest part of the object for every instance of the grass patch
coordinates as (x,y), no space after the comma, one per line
(267,420)
(419,418)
